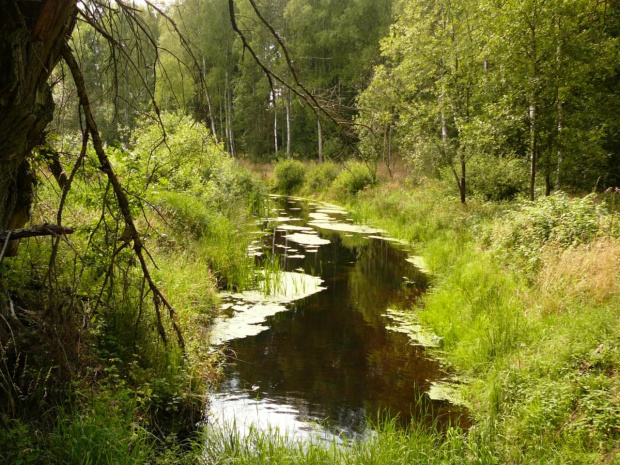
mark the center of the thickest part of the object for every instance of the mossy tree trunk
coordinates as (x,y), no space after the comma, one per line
(31,37)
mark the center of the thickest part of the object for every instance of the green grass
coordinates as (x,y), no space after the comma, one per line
(388,444)
(85,376)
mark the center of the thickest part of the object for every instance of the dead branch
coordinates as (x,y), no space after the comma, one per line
(130,234)
(36,231)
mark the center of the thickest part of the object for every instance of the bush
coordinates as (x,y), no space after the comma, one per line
(354,178)
(555,219)
(497,179)
(321,176)
(289,176)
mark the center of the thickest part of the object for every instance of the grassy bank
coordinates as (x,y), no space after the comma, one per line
(525,299)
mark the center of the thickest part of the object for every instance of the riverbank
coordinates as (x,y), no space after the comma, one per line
(91,367)
(525,299)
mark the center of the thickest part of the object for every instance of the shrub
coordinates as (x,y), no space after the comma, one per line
(354,178)
(497,179)
(321,176)
(555,219)
(289,176)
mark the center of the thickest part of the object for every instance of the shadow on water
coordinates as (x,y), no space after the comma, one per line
(329,358)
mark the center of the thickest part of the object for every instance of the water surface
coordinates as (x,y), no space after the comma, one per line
(326,362)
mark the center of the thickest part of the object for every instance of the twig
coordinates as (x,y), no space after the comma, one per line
(6,243)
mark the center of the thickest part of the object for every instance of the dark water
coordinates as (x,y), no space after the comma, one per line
(329,358)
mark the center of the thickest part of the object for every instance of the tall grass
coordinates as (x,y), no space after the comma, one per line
(84,343)
(388,443)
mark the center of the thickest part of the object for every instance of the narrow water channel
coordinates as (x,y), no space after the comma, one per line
(325,362)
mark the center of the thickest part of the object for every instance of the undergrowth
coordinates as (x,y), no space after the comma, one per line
(85,375)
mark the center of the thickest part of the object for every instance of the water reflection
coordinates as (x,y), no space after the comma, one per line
(329,358)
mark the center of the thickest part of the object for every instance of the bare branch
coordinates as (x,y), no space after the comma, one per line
(130,234)
(35,231)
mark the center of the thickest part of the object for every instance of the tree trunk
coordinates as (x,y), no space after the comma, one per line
(558,176)
(275,126)
(31,35)
(229,118)
(288,124)
(389,151)
(208,95)
(320,135)
(533,148)
(462,184)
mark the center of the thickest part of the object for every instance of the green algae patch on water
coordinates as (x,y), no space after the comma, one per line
(419,263)
(251,309)
(345,227)
(292,227)
(306,239)
(448,390)
(407,323)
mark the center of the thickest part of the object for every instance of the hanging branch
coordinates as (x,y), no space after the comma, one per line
(187,47)
(130,233)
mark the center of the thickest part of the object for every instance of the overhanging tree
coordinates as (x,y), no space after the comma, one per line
(31,39)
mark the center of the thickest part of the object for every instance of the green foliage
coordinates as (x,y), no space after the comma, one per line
(100,430)
(320,176)
(353,178)
(289,176)
(497,179)
(104,432)
(192,204)
(539,349)
(475,82)
(388,444)
(555,219)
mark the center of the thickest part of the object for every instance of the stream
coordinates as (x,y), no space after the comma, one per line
(325,344)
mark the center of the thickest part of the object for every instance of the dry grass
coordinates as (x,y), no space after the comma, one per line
(263,170)
(589,272)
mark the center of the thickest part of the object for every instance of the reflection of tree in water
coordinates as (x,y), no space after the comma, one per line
(382,278)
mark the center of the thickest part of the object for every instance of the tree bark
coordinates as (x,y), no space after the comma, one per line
(36,231)
(208,95)
(229,119)
(533,148)
(462,184)
(31,36)
(560,127)
(288,123)
(275,125)
(320,135)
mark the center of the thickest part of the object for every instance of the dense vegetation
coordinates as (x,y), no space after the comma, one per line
(471,130)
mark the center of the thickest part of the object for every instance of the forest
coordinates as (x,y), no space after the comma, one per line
(437,182)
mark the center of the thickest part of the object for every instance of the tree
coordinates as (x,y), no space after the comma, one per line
(31,38)
(431,87)
(548,57)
